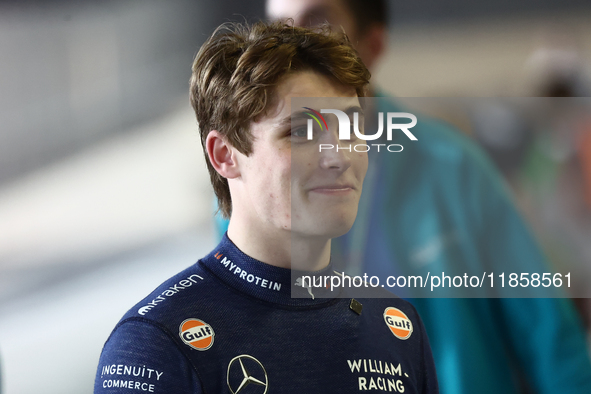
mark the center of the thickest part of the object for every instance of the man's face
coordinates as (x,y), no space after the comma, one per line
(310,13)
(287,182)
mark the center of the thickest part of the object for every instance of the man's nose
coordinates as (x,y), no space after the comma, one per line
(335,154)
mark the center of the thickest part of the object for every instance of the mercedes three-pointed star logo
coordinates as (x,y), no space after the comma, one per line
(248,378)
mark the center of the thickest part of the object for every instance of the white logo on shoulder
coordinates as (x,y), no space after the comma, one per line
(172,290)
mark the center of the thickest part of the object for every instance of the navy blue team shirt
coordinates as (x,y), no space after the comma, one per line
(229,324)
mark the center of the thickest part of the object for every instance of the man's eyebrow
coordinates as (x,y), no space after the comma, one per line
(296,115)
(355,108)
(305,115)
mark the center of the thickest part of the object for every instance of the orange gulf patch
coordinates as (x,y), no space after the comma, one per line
(197,334)
(398,323)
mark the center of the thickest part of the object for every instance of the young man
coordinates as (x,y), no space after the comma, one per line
(229,324)
(452,210)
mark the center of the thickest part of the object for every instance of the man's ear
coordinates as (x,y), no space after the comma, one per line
(222,155)
(373,44)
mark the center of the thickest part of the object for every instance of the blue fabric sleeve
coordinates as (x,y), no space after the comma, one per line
(141,357)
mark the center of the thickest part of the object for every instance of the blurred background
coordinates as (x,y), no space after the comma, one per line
(103,187)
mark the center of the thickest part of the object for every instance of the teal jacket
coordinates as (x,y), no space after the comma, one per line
(439,205)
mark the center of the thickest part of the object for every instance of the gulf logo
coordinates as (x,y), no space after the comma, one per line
(398,322)
(197,334)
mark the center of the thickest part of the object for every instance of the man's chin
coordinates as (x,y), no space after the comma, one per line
(324,228)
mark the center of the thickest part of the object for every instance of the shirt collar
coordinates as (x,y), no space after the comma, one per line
(264,281)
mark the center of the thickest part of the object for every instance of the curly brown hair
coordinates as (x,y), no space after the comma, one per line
(236,71)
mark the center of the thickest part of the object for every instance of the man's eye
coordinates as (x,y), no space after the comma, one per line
(299,132)
(358,124)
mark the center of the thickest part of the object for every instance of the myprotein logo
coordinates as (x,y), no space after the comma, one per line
(344,121)
(398,322)
(197,334)
(245,275)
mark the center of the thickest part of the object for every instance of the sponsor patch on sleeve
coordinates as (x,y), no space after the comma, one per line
(398,323)
(197,334)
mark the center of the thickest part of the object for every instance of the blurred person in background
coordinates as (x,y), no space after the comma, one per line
(554,181)
(443,205)
(542,146)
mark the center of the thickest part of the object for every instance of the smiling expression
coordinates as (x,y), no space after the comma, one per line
(289,183)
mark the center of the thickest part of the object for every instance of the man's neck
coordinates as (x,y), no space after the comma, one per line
(280,248)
